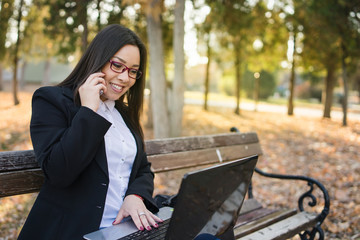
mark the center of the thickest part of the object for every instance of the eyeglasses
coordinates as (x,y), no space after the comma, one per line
(120,68)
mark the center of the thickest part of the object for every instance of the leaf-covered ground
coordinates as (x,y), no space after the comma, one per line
(318,148)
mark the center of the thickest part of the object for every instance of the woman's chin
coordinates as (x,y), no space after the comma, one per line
(112,97)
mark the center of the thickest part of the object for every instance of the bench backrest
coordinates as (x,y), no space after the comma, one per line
(20,173)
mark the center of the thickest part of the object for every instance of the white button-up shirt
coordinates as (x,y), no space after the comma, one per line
(121,150)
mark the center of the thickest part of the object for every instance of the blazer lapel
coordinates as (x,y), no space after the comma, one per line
(100,157)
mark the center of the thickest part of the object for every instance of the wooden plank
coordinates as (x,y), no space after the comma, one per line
(20,173)
(254,215)
(258,219)
(286,228)
(20,182)
(17,160)
(250,205)
(193,158)
(179,144)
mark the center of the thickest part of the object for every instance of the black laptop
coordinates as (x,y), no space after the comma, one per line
(209,201)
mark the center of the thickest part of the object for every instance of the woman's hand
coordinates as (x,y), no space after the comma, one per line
(133,206)
(89,91)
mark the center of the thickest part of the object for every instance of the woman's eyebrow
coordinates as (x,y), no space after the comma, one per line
(123,61)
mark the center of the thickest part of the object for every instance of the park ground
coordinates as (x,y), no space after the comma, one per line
(300,145)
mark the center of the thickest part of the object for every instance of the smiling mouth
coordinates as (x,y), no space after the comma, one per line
(116,87)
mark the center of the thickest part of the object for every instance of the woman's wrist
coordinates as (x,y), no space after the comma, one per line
(142,199)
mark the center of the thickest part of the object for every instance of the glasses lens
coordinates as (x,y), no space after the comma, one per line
(120,68)
(117,67)
(134,73)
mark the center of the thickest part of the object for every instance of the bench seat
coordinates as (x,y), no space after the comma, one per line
(20,173)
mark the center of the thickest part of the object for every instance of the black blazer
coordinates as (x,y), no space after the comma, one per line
(69,145)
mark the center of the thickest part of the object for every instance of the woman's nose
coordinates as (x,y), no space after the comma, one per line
(124,76)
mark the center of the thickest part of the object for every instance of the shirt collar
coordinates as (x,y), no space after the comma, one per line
(109,104)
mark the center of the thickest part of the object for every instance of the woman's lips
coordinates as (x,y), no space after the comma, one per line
(116,88)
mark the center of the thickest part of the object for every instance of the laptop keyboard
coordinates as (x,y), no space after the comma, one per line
(154,233)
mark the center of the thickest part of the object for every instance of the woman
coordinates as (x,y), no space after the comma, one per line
(88,140)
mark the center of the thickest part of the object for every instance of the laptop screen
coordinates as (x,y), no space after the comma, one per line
(210,199)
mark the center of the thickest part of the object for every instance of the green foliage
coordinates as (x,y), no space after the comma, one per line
(6,12)
(63,24)
(314,77)
(267,84)
(226,85)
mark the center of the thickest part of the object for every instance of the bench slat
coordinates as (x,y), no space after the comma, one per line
(286,228)
(194,158)
(171,145)
(17,160)
(258,219)
(20,182)
(250,205)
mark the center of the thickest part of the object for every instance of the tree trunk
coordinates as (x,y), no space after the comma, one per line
(157,70)
(207,77)
(22,81)
(98,22)
(46,77)
(82,14)
(149,122)
(238,76)
(7,7)
(1,78)
(16,57)
(256,91)
(178,87)
(346,90)
(292,81)
(329,88)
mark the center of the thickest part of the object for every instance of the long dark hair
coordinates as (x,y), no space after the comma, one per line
(102,48)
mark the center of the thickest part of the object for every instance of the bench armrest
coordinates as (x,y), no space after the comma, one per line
(308,194)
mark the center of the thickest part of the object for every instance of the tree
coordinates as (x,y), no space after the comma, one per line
(207,73)
(5,14)
(167,99)
(332,39)
(178,86)
(320,47)
(292,77)
(157,69)
(204,33)
(16,52)
(347,25)
(235,19)
(67,25)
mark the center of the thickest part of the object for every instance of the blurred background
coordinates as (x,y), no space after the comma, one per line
(289,70)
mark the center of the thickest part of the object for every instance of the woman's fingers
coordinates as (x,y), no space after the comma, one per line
(89,91)
(141,216)
(156,218)
(139,220)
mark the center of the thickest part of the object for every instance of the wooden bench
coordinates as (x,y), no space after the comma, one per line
(20,173)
